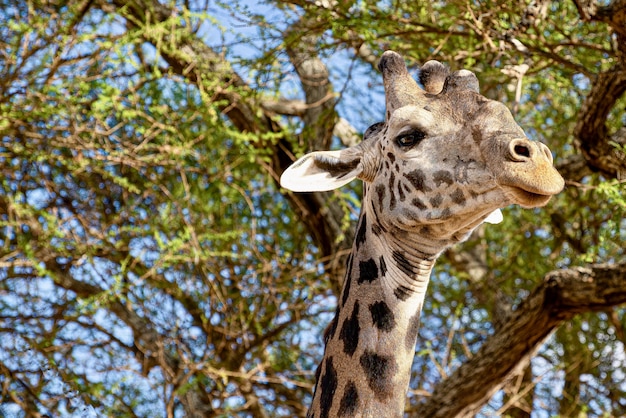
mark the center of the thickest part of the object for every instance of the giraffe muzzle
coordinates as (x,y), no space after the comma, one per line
(528,176)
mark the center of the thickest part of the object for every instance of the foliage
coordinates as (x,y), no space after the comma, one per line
(150,264)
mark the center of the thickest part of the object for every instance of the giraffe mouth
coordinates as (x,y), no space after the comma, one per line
(526,198)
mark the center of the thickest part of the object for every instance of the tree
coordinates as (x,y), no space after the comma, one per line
(152,266)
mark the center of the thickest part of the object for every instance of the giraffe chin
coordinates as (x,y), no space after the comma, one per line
(527,199)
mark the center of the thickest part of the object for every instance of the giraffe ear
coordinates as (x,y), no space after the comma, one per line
(322,171)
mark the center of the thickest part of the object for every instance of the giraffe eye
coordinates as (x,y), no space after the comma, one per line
(410,139)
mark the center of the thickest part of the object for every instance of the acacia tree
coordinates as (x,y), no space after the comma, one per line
(151,265)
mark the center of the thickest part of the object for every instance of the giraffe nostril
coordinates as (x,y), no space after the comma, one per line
(522,150)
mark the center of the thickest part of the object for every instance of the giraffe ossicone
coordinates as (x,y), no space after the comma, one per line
(445,160)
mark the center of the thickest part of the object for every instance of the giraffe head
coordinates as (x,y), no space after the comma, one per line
(445,158)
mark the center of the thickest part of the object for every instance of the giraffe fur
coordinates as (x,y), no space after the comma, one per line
(445,160)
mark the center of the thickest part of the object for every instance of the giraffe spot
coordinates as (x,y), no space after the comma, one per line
(382,316)
(440,177)
(347,280)
(328,385)
(414,216)
(446,213)
(350,331)
(376,229)
(418,180)
(436,200)
(402,292)
(461,170)
(383,266)
(458,197)
(360,234)
(329,333)
(368,271)
(391,157)
(401,192)
(349,400)
(403,263)
(318,371)
(418,203)
(411,335)
(379,371)
(376,223)
(380,192)
(392,196)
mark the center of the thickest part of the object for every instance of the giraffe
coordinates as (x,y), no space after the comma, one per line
(445,160)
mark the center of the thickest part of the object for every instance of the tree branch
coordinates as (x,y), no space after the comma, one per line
(591,132)
(562,295)
(192,59)
(319,117)
(147,342)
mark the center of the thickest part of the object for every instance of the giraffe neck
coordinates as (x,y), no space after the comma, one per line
(370,344)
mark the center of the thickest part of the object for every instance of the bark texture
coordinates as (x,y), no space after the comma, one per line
(592,135)
(560,296)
